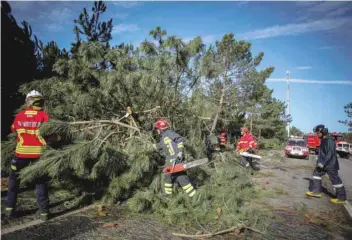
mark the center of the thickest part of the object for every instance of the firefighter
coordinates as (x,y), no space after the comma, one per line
(30,146)
(327,163)
(222,139)
(247,144)
(172,145)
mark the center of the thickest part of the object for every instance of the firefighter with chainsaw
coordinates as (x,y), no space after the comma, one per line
(172,146)
(247,144)
(30,146)
(327,163)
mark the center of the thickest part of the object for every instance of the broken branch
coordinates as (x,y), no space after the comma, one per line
(214,234)
(106,121)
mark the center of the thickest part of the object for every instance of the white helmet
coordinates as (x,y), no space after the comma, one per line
(34,93)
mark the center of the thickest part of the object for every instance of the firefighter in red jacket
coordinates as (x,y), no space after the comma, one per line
(247,144)
(30,146)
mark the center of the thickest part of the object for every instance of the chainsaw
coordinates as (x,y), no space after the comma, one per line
(180,167)
(247,154)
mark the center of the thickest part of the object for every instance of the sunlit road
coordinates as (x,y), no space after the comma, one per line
(346,175)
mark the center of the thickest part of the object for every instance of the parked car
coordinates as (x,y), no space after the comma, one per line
(297,148)
(343,148)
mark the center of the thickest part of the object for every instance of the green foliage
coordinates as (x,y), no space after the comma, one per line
(348,111)
(91,27)
(272,143)
(18,63)
(215,192)
(198,90)
(295,131)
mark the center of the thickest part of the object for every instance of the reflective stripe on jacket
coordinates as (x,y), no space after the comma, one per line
(246,141)
(29,142)
(171,143)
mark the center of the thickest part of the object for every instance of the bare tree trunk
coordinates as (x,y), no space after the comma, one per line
(219,110)
(260,133)
(251,127)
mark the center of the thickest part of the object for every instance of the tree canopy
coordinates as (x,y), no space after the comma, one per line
(198,89)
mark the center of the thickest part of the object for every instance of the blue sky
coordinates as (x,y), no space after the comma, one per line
(310,39)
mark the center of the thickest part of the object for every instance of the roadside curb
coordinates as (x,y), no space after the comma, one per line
(347,209)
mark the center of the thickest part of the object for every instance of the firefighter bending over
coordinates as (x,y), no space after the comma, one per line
(327,163)
(30,146)
(172,146)
(247,144)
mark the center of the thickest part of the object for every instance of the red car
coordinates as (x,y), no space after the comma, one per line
(297,148)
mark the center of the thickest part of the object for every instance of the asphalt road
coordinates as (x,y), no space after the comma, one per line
(346,175)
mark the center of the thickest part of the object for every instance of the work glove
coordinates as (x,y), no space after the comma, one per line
(320,167)
(179,157)
(127,115)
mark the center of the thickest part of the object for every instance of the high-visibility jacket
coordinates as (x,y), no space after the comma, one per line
(29,142)
(246,141)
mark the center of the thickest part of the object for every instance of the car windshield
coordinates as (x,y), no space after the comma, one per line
(338,138)
(297,143)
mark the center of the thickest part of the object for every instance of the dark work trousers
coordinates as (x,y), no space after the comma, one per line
(182,179)
(336,182)
(248,162)
(17,164)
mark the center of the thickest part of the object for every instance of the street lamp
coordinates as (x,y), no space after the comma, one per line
(288,100)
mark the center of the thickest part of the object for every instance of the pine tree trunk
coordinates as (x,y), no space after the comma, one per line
(260,132)
(219,110)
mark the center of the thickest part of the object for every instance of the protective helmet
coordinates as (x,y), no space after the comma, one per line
(161,124)
(35,99)
(33,93)
(320,128)
(244,129)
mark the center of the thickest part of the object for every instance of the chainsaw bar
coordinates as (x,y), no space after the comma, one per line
(246,154)
(196,163)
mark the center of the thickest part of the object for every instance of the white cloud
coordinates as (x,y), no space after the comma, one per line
(127,4)
(328,47)
(120,15)
(56,19)
(328,9)
(304,68)
(208,39)
(309,81)
(241,3)
(124,28)
(296,28)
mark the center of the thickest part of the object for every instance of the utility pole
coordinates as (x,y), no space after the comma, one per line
(288,100)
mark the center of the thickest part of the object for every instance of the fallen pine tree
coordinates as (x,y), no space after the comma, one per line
(110,157)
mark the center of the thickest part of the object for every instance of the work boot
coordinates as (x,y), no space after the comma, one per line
(311,194)
(255,166)
(337,201)
(44,216)
(9,212)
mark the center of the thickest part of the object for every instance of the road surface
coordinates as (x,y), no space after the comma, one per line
(346,175)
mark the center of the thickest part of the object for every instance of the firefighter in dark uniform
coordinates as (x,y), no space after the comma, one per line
(172,146)
(327,163)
